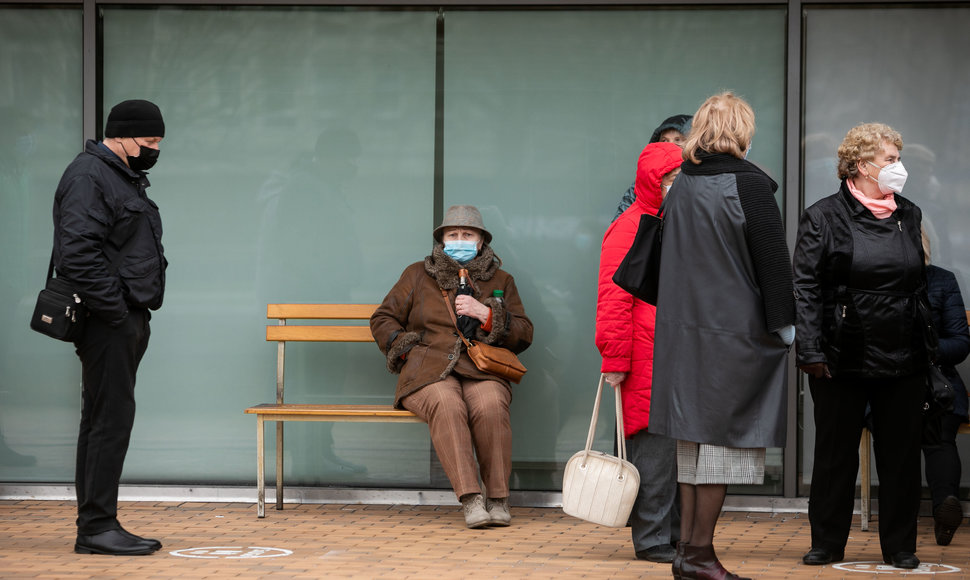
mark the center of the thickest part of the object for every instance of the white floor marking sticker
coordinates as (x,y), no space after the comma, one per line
(231,552)
(881,568)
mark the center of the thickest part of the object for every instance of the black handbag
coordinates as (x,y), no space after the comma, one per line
(59,312)
(939,394)
(937,402)
(639,272)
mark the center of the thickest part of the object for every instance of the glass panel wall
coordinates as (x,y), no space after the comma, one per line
(297,167)
(916,82)
(546,113)
(40,132)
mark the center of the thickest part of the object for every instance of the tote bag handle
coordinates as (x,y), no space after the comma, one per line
(620,445)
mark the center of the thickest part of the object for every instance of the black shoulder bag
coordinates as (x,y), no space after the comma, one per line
(639,272)
(940,395)
(59,312)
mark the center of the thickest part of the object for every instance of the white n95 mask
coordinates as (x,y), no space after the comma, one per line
(892,177)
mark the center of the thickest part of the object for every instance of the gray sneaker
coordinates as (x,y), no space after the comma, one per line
(476,516)
(498,510)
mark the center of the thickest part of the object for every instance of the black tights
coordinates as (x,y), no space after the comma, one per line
(700,508)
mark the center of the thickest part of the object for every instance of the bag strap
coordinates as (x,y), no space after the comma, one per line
(620,444)
(451,311)
(50,267)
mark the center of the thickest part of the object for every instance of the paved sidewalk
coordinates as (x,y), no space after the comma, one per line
(226,540)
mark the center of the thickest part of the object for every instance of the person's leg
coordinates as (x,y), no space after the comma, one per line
(688,500)
(491,428)
(698,557)
(897,426)
(686,477)
(656,515)
(943,469)
(943,472)
(839,410)
(707,510)
(109,362)
(441,406)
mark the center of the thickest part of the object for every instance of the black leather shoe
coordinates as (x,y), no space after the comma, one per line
(662,553)
(907,560)
(821,557)
(946,519)
(155,544)
(111,543)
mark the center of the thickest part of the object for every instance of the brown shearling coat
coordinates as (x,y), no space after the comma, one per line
(413,321)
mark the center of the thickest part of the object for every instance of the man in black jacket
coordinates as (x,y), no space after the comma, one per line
(108,243)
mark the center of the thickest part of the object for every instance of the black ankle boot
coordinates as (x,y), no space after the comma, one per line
(678,562)
(700,562)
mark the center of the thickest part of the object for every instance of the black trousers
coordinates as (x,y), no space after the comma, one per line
(109,360)
(840,405)
(943,462)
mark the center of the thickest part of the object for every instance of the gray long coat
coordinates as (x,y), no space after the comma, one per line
(725,287)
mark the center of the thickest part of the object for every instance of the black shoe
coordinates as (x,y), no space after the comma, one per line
(112,543)
(946,519)
(821,557)
(155,544)
(661,553)
(907,560)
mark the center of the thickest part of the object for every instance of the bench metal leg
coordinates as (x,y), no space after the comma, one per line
(260,470)
(865,503)
(279,465)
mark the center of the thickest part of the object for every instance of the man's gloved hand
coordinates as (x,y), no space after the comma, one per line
(817,370)
(614,379)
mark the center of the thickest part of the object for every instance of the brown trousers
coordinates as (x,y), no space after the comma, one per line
(467,418)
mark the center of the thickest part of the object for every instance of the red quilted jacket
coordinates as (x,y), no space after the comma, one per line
(624,325)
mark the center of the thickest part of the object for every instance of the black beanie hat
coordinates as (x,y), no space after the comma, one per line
(135,118)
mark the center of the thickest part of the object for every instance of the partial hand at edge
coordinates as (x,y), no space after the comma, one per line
(817,370)
(614,379)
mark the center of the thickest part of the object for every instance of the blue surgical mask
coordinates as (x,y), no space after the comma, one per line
(461,251)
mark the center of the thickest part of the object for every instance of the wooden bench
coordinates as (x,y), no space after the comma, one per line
(865,452)
(281,333)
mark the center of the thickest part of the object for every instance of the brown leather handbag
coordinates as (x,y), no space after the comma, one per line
(493,360)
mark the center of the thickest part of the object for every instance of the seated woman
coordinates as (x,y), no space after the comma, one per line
(466,409)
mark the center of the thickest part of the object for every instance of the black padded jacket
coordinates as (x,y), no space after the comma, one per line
(108,235)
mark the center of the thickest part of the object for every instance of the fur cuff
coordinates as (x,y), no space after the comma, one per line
(500,326)
(403,344)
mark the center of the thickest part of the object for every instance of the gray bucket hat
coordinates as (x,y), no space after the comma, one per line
(466,216)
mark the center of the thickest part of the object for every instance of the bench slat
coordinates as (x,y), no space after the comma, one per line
(321,311)
(320,333)
(335,412)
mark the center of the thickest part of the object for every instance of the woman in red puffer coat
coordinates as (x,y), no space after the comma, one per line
(624,336)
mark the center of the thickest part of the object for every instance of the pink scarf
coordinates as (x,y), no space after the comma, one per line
(881,208)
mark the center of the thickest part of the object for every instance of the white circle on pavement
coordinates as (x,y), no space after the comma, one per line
(881,568)
(231,552)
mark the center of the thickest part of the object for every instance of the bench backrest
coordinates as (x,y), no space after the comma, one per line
(283,332)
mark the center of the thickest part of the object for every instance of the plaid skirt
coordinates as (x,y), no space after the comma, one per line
(700,464)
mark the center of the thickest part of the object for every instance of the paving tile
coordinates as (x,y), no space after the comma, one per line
(420,542)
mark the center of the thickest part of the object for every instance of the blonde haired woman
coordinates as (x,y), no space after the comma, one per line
(859,273)
(725,315)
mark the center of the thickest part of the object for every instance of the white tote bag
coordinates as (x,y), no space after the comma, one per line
(599,487)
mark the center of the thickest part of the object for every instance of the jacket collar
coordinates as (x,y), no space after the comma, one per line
(445,270)
(717,163)
(856,209)
(100,151)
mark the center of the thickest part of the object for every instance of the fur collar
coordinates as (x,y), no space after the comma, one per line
(445,270)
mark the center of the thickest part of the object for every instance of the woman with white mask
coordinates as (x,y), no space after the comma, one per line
(860,282)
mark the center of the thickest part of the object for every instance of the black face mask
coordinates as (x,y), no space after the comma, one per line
(146,159)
